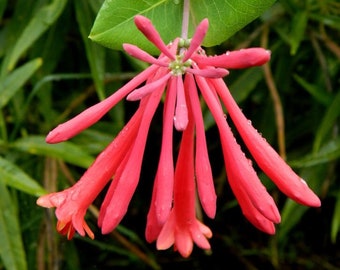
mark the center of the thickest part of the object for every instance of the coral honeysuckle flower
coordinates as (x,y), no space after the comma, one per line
(181,70)
(182,227)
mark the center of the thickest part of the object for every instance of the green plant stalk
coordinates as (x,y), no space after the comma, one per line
(185,19)
(3,129)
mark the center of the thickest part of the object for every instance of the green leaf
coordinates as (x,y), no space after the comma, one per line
(226,17)
(13,176)
(114,23)
(298,32)
(336,219)
(246,83)
(66,151)
(327,122)
(3,4)
(11,249)
(95,53)
(328,152)
(11,83)
(12,29)
(292,212)
(316,91)
(327,19)
(39,23)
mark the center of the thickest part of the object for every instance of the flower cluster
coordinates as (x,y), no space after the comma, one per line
(178,73)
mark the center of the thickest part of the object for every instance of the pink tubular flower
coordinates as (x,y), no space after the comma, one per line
(172,216)
(182,227)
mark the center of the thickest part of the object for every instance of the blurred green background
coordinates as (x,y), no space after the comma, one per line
(50,71)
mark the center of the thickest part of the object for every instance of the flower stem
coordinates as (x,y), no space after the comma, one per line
(185,21)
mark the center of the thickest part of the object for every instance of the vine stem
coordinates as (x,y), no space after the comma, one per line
(185,20)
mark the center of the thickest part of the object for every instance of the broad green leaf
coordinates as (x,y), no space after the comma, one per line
(13,176)
(95,53)
(226,17)
(114,23)
(39,23)
(336,219)
(327,122)
(66,151)
(11,249)
(11,83)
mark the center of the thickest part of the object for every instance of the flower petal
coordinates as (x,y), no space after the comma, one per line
(183,241)
(198,236)
(166,237)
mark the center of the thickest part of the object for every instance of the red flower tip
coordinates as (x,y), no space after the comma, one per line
(197,39)
(146,27)
(138,53)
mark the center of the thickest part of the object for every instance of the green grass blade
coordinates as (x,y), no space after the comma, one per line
(299,28)
(39,23)
(13,176)
(11,248)
(336,219)
(327,123)
(328,152)
(94,52)
(66,151)
(10,84)
(3,4)
(315,90)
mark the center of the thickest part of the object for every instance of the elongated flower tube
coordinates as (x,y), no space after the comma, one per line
(180,74)
(182,227)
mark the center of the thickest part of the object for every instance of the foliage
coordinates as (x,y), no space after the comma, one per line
(51,71)
(225,18)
